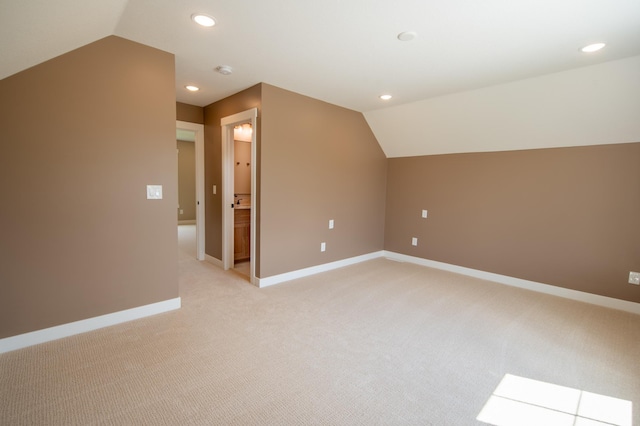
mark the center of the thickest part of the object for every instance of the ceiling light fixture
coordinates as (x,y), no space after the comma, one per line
(407,35)
(385,97)
(224,69)
(204,20)
(192,88)
(593,47)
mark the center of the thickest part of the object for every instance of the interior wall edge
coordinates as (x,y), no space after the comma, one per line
(580,296)
(312,270)
(213,261)
(77,327)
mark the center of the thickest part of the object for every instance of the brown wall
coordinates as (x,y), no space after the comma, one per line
(82,136)
(242,167)
(318,162)
(568,217)
(186,180)
(242,101)
(189,113)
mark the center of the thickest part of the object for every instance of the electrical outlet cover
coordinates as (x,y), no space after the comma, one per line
(634,278)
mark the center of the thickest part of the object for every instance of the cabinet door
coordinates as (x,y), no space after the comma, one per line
(238,241)
(241,234)
(247,241)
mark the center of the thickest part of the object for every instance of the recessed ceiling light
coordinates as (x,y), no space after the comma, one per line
(204,20)
(593,47)
(407,35)
(192,88)
(224,69)
(385,97)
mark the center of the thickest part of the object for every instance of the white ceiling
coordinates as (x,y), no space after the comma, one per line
(341,51)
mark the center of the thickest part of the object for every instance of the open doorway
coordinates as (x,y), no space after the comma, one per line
(186,211)
(192,229)
(239,192)
(242,171)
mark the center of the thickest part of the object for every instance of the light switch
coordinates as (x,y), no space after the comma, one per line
(331,224)
(424,214)
(414,241)
(154,192)
(323,246)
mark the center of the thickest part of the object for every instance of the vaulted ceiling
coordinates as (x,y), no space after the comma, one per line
(345,52)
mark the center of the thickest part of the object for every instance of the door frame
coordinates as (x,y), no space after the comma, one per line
(227,124)
(198,129)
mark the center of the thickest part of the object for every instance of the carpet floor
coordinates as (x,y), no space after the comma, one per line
(377,343)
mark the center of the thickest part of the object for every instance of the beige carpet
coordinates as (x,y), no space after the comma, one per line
(376,343)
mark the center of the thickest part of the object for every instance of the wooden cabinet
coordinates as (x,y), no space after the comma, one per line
(241,234)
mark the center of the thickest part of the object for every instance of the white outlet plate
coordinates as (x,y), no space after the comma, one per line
(414,241)
(331,224)
(634,278)
(154,192)
(424,214)
(323,246)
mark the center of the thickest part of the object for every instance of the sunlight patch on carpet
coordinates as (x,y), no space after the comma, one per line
(521,401)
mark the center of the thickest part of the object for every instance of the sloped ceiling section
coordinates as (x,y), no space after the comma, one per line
(34,31)
(594,105)
(343,52)
(471,64)
(347,52)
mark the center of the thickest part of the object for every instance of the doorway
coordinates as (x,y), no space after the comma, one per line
(239,201)
(196,131)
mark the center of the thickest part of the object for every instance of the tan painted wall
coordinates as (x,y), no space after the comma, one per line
(242,167)
(569,217)
(186,180)
(242,101)
(88,131)
(189,113)
(318,162)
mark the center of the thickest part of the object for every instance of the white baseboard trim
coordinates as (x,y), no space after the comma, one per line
(213,260)
(187,222)
(65,330)
(594,299)
(300,273)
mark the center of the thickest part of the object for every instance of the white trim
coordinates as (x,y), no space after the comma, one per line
(300,273)
(594,299)
(187,222)
(227,196)
(65,330)
(213,260)
(198,129)
(254,205)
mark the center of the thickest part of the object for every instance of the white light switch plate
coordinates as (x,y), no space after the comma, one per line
(154,192)
(634,278)
(323,246)
(331,224)
(424,214)
(414,241)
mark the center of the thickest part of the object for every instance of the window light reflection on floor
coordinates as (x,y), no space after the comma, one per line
(521,401)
